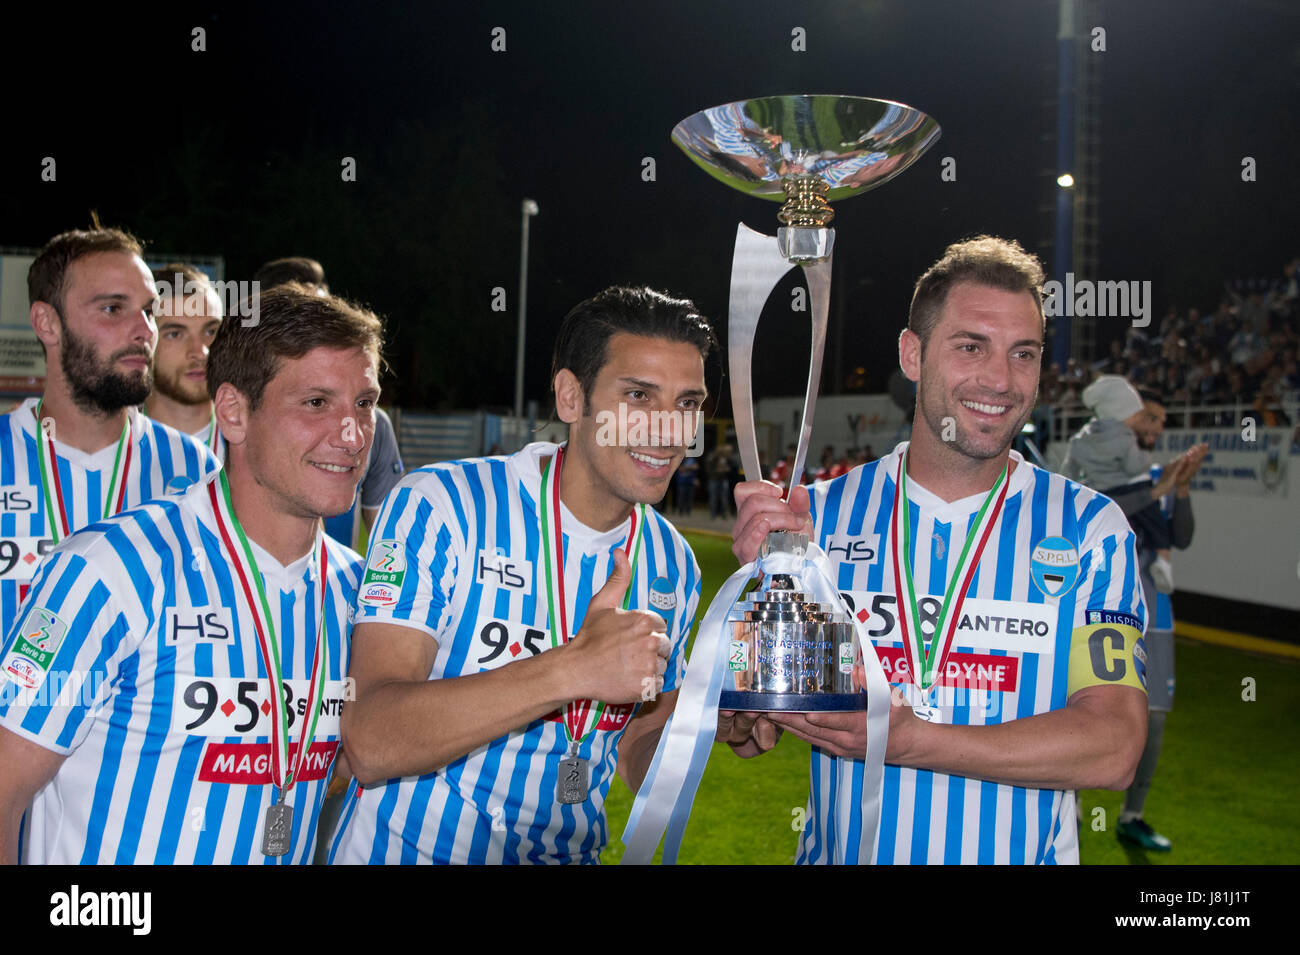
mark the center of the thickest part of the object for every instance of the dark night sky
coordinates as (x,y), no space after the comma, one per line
(236,151)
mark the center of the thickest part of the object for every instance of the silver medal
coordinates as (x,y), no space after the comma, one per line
(928,713)
(276,829)
(572,780)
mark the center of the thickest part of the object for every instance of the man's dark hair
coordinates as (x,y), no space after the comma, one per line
(983,260)
(47,278)
(582,345)
(292,321)
(293,269)
(1149,394)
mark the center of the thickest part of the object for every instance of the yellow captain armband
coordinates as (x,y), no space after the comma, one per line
(1107,654)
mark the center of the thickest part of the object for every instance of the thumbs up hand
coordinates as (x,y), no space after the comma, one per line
(619,656)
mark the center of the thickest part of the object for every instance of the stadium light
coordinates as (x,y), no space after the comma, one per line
(529,210)
(1065,181)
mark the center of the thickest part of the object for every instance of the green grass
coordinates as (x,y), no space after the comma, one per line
(1224,791)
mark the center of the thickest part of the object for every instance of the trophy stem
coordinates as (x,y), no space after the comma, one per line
(805,202)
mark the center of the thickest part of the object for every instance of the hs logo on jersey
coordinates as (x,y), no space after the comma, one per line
(17,500)
(501,570)
(852,548)
(198,623)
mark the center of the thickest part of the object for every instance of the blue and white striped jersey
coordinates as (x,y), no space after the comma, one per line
(1060,557)
(164,458)
(455,553)
(136,659)
(204,437)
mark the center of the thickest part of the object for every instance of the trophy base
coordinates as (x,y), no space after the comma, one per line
(747,701)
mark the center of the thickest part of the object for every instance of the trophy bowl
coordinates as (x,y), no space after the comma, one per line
(848,143)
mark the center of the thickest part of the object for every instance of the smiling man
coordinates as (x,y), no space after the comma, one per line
(186,659)
(1001,600)
(81,452)
(522,623)
(189,314)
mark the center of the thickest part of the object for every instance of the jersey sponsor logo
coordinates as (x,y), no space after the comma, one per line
(496,569)
(1054,566)
(34,648)
(1113,616)
(198,623)
(1010,625)
(249,764)
(229,706)
(613,719)
(386,564)
(843,548)
(20,556)
(503,641)
(972,671)
(378,595)
(18,500)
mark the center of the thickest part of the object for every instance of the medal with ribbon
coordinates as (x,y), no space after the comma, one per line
(278,823)
(926,666)
(580,716)
(52,485)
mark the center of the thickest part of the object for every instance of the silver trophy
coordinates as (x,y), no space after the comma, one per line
(789,652)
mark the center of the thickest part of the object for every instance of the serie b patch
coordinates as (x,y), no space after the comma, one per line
(37,643)
(385,572)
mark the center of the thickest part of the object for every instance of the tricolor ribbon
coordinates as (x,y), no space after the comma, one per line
(663,803)
(926,666)
(52,484)
(283,772)
(580,716)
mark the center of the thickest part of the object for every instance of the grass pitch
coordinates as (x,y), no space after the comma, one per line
(1223,793)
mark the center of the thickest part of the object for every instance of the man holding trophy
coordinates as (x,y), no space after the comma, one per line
(1001,600)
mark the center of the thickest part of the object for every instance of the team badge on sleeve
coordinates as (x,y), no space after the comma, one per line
(38,640)
(385,571)
(1054,566)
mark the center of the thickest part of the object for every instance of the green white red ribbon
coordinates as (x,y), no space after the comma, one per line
(283,773)
(580,716)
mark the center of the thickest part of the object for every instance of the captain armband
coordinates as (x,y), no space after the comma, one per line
(1107,654)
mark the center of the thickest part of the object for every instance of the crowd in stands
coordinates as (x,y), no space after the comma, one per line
(1244,353)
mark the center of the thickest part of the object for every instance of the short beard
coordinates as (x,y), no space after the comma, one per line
(95,387)
(171,387)
(961,442)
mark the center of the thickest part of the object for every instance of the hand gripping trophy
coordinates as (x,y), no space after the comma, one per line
(792,645)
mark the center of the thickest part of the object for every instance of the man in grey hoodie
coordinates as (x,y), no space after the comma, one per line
(1104,455)
(1176,514)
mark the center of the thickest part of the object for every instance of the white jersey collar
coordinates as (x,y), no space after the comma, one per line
(948,511)
(25,415)
(527,466)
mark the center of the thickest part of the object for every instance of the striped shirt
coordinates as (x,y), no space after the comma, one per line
(455,553)
(164,458)
(136,660)
(204,437)
(1010,655)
